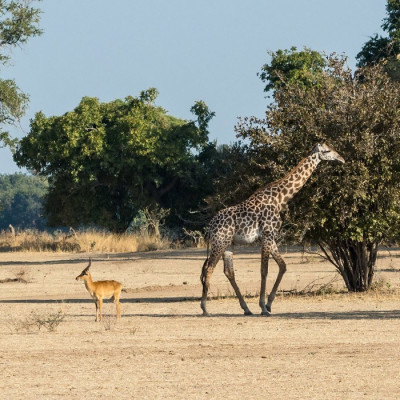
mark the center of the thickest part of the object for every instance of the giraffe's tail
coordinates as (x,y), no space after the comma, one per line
(203,272)
(204,269)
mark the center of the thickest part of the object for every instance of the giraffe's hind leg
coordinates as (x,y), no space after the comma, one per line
(206,273)
(230,274)
(282,269)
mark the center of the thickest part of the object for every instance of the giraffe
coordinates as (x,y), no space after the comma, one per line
(258,216)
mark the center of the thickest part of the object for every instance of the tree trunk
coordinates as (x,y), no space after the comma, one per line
(355,261)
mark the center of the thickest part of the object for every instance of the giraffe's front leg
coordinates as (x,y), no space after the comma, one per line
(265,251)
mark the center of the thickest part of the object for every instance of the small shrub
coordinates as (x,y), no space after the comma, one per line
(37,321)
(50,321)
(133,331)
(108,322)
(380,285)
(152,243)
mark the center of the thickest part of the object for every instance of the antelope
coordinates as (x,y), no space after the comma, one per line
(100,290)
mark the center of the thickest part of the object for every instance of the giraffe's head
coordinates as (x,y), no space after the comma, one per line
(326,153)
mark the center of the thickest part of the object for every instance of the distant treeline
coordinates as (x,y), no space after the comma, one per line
(21,201)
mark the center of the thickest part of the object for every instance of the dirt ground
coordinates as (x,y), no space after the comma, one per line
(331,346)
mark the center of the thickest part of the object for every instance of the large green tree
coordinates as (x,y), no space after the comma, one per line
(105,161)
(348,210)
(18,22)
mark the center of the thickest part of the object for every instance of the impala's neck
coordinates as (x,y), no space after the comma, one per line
(89,284)
(290,184)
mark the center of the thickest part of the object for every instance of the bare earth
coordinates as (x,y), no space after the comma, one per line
(333,346)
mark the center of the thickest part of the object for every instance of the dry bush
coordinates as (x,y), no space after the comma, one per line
(37,321)
(109,322)
(151,243)
(317,287)
(194,238)
(101,241)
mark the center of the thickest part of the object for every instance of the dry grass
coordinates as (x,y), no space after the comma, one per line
(87,241)
(319,289)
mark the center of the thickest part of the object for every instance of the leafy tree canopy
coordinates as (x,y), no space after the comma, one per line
(292,65)
(387,48)
(347,209)
(104,161)
(18,22)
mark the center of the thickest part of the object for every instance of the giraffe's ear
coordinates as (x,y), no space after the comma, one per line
(317,148)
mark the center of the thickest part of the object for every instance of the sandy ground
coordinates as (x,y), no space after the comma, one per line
(335,346)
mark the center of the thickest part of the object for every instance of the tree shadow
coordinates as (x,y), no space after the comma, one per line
(345,315)
(318,315)
(89,300)
(193,254)
(52,262)
(350,315)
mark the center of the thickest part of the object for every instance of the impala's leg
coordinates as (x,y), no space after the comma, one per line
(208,269)
(100,308)
(282,269)
(97,309)
(118,304)
(230,274)
(265,251)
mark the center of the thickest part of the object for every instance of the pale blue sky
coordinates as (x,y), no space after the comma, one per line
(207,50)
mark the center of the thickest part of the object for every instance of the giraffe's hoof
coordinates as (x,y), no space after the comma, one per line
(268,308)
(248,312)
(205,314)
(266,313)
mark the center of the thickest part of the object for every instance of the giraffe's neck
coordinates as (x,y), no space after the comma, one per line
(291,183)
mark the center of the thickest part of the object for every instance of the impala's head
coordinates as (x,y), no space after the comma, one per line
(85,273)
(326,153)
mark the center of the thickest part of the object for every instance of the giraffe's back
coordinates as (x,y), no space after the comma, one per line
(243,223)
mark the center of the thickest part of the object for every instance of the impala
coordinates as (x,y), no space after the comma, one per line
(100,290)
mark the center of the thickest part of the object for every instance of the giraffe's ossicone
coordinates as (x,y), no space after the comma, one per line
(258,216)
